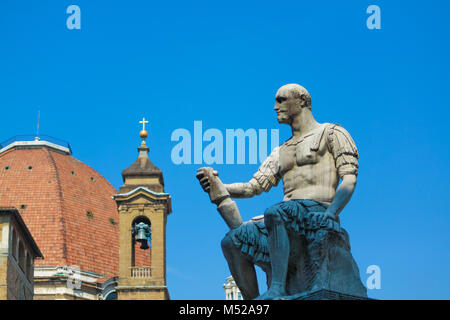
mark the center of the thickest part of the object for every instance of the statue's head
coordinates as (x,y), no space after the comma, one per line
(290,101)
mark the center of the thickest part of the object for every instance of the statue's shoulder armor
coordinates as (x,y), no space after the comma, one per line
(343,149)
(340,141)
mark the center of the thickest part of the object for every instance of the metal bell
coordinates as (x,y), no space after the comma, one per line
(142,230)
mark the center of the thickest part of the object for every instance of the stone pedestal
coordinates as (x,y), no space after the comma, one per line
(327,295)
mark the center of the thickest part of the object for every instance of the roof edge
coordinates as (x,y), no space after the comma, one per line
(37,143)
(15,213)
(120,195)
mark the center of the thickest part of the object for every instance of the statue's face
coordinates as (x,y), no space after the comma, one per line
(286,106)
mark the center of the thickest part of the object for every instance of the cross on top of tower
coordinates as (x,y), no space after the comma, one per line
(143,134)
(143,123)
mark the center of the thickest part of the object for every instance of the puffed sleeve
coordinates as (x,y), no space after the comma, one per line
(344,150)
(267,175)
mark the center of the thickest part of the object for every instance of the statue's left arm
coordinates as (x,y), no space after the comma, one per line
(345,155)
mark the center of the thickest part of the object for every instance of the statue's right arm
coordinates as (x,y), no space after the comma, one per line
(264,179)
(244,189)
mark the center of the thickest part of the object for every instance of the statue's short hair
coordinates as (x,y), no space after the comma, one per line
(299,92)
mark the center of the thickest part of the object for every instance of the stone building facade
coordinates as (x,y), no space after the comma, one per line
(18,251)
(231,290)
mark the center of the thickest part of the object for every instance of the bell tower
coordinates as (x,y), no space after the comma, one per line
(143,209)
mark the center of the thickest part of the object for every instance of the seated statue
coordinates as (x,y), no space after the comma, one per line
(298,242)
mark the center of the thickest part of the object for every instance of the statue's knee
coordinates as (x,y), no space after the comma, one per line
(272,216)
(227,243)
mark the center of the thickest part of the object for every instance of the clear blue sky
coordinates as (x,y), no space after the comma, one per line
(221,62)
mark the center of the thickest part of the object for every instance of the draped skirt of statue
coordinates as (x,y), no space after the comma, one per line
(320,255)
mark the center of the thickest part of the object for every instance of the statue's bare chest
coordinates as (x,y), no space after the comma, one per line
(303,151)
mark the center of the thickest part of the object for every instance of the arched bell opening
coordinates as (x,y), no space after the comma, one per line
(141,242)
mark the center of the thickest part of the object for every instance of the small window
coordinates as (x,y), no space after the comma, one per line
(30,167)
(72,172)
(7,168)
(111,296)
(14,244)
(21,256)
(29,267)
(92,179)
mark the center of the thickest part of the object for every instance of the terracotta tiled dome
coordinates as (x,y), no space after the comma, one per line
(67,206)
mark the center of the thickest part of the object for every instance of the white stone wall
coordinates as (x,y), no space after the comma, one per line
(231,290)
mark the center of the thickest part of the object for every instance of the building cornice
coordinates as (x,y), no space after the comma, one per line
(128,194)
(35,144)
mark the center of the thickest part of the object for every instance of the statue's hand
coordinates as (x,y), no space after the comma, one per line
(210,182)
(204,176)
(323,216)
